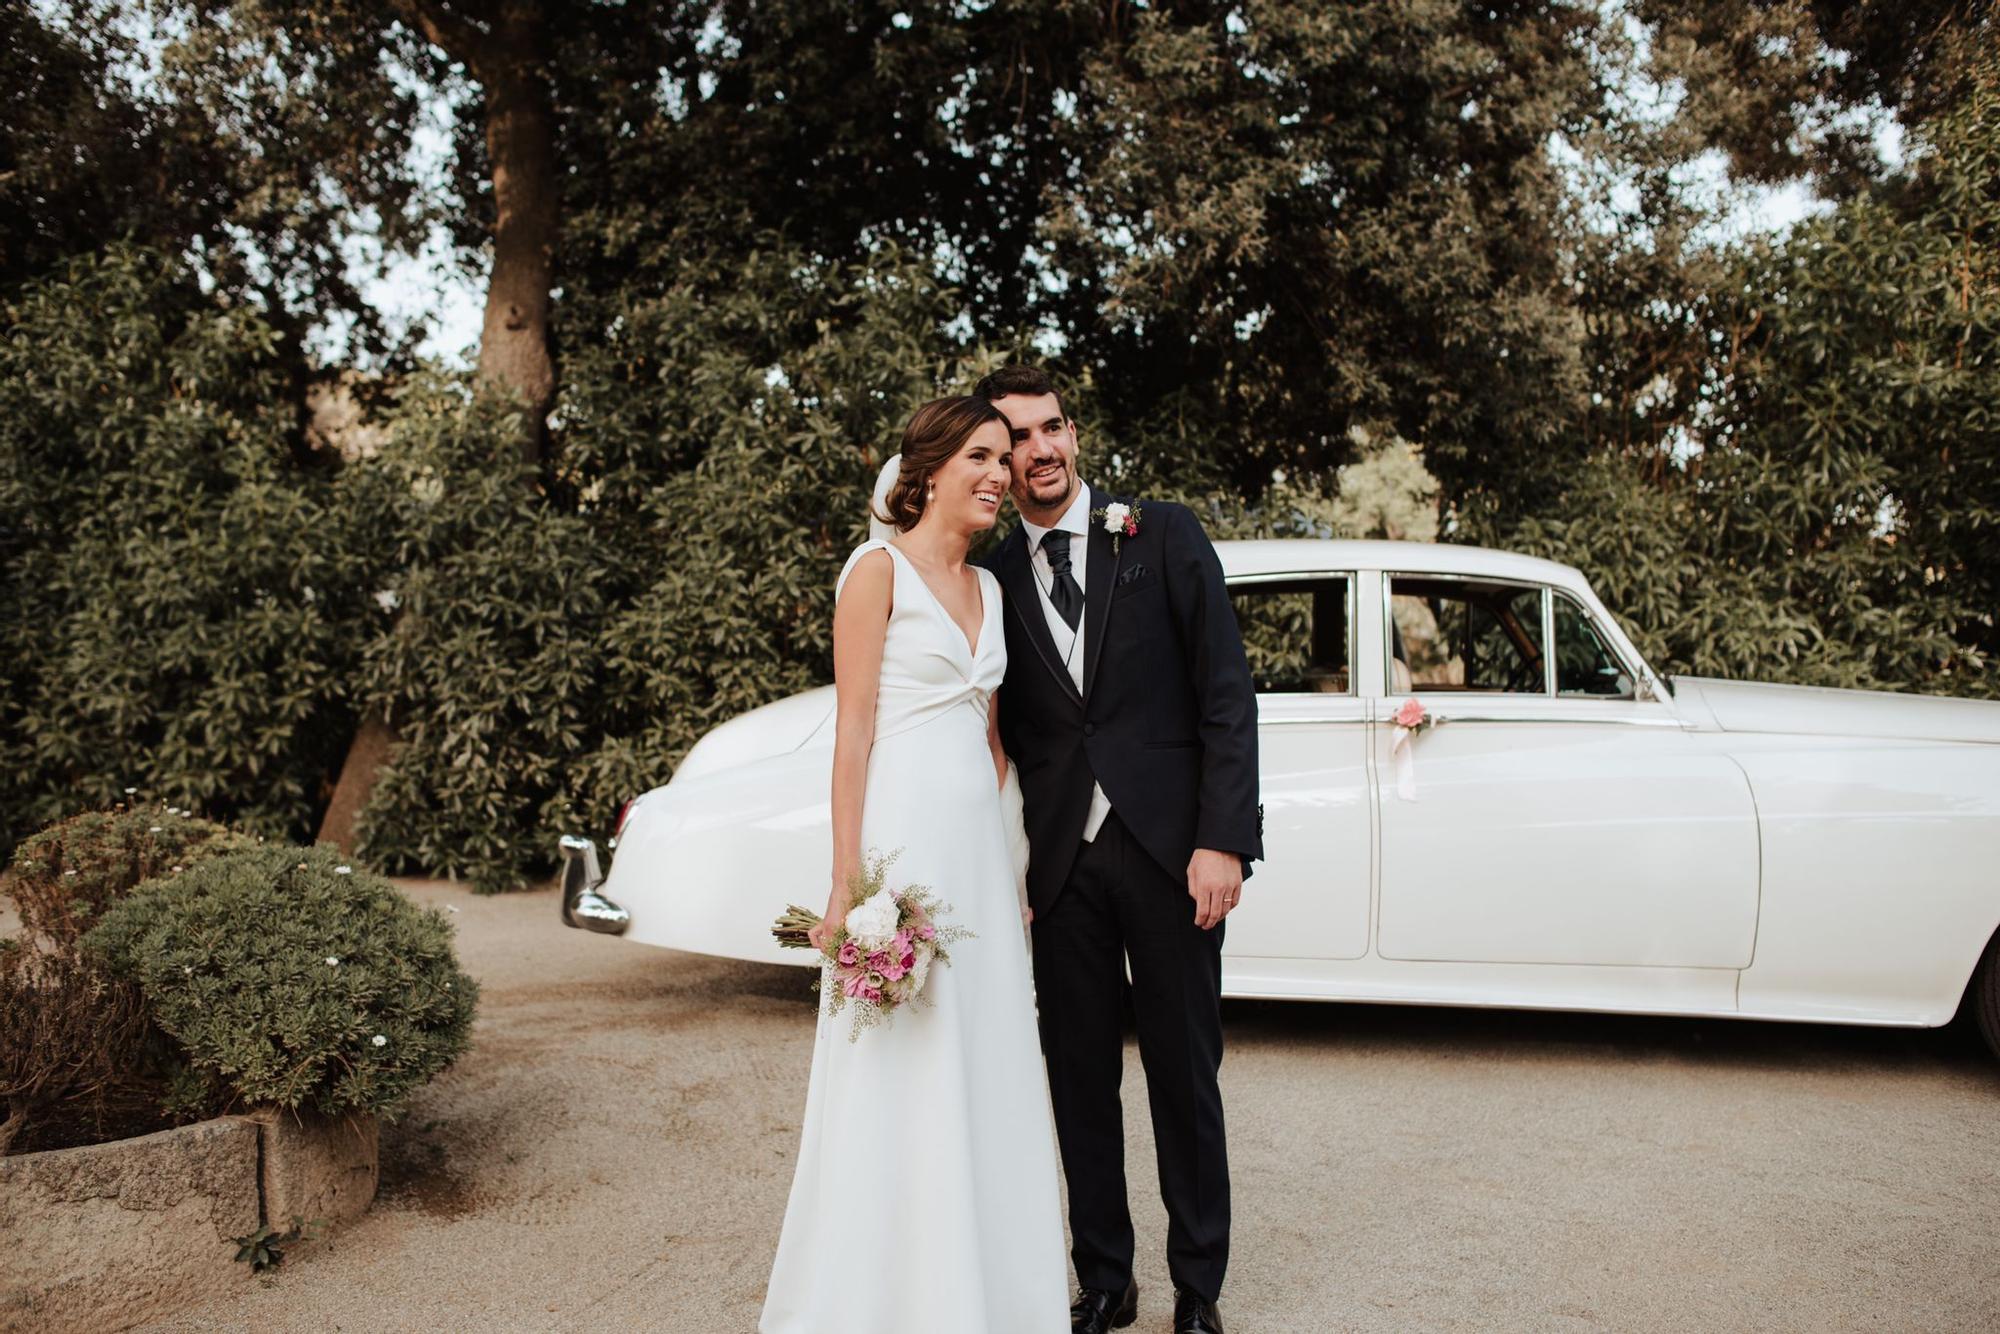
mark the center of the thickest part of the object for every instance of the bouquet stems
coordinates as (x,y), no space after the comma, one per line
(792,925)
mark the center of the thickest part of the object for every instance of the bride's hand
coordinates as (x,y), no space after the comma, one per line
(838,901)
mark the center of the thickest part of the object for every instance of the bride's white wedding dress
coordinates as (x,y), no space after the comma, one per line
(925,1198)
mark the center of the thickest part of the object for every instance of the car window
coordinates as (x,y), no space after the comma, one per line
(1295,633)
(1585,664)
(1465,634)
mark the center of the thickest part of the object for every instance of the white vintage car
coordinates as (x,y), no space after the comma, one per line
(1574,832)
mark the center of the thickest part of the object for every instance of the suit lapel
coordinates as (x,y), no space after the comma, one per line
(1024,599)
(1100,573)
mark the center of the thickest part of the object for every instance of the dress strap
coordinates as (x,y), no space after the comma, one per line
(854,558)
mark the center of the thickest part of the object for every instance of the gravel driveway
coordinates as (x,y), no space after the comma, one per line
(615,1152)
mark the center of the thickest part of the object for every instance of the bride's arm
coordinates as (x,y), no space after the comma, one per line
(860,625)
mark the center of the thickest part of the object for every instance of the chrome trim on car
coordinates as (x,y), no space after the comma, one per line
(582,905)
(1448,715)
(1307,722)
(1549,682)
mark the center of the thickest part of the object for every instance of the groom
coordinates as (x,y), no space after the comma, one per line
(1128,708)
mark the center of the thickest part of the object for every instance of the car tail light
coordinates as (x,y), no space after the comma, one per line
(624,814)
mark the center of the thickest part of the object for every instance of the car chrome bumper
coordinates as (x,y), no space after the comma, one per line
(582,905)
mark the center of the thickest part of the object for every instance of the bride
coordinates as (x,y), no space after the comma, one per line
(925,1196)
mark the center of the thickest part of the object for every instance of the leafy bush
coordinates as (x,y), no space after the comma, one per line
(63,878)
(1826,514)
(294,979)
(81,1059)
(182,598)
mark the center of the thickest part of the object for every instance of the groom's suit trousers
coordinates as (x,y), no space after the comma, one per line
(1118,903)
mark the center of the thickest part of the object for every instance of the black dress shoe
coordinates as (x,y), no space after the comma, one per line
(1096,1310)
(1195,1314)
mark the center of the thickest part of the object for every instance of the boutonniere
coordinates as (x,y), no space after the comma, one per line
(1119,519)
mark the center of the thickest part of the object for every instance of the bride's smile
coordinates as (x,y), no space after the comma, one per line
(967,487)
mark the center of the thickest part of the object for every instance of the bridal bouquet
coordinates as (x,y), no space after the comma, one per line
(883,952)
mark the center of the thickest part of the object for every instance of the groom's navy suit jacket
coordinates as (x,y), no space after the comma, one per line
(1166,722)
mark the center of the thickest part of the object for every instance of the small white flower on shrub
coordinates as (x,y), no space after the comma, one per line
(154,830)
(220,989)
(386,599)
(131,791)
(343,870)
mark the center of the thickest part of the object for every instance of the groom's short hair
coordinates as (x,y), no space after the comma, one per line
(1030,381)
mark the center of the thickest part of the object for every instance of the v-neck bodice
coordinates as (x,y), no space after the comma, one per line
(929,668)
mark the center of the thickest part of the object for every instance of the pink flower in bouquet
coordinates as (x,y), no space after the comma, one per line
(850,953)
(1411,714)
(878,960)
(926,932)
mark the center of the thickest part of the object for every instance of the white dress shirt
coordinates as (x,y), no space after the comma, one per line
(1076,521)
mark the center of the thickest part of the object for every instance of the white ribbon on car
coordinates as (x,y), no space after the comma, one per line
(1403,751)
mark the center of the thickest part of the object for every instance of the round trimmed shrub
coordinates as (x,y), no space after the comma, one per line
(295,979)
(65,877)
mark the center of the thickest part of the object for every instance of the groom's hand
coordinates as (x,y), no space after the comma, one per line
(1215,883)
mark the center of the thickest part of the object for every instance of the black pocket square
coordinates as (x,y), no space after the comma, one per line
(1130,574)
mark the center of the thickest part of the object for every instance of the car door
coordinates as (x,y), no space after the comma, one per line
(1309,897)
(1552,816)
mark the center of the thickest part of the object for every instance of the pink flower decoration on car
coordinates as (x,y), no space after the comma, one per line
(1411,714)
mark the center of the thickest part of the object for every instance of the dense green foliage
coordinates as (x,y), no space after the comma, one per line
(183,596)
(290,978)
(1823,507)
(556,651)
(1281,253)
(63,878)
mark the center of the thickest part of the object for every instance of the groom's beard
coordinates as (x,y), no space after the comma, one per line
(1033,505)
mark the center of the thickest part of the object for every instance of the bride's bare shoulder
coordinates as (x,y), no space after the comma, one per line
(869,578)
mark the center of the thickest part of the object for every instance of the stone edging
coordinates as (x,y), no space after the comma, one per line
(107,1236)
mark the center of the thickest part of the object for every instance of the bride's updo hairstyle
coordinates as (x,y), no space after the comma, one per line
(939,430)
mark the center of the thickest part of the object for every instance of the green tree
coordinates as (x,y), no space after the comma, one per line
(1825,511)
(183,601)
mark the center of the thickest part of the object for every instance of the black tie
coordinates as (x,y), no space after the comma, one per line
(1063,590)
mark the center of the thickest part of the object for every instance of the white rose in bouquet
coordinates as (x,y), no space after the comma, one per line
(872,922)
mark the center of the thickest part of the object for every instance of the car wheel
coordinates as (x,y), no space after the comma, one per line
(1985,995)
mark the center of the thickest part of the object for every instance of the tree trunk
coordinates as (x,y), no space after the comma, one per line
(366,755)
(505,56)
(514,353)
